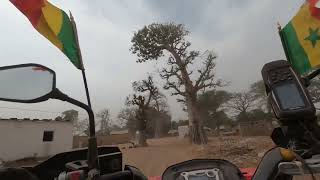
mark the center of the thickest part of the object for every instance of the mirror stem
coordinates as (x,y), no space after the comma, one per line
(92,141)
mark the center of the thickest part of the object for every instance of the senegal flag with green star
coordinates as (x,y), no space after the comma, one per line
(301,37)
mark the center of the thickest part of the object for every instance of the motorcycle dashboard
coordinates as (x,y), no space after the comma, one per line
(110,160)
(203,169)
(204,174)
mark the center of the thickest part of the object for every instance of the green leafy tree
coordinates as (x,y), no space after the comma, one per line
(70,115)
(210,103)
(221,119)
(158,40)
(158,124)
(259,114)
(259,93)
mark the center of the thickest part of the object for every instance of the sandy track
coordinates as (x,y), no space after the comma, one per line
(160,153)
(163,152)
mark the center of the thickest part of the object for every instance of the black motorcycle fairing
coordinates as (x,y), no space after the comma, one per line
(129,173)
(229,170)
(110,159)
(16,174)
(136,173)
(122,175)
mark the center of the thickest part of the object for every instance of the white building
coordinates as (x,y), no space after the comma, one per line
(33,138)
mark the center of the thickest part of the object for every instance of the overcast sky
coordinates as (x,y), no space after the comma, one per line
(242,33)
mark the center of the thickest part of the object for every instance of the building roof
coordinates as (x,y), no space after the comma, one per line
(32,120)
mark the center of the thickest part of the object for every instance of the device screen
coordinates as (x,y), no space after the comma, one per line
(289,96)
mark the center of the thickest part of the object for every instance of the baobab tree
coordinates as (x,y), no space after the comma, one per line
(169,40)
(145,93)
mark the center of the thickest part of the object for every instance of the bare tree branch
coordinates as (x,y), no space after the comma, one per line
(181,100)
(174,71)
(206,77)
(191,57)
(174,86)
(241,102)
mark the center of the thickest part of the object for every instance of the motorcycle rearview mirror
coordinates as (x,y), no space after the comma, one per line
(33,83)
(27,83)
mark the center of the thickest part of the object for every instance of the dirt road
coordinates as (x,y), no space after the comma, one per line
(161,153)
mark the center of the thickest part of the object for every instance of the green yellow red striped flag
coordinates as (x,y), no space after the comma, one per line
(301,37)
(52,23)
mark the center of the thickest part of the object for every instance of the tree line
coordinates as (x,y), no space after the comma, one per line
(104,123)
(188,72)
(190,76)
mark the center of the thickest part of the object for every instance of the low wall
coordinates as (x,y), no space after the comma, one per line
(82,141)
(255,128)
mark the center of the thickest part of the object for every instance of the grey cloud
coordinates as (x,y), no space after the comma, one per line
(243,33)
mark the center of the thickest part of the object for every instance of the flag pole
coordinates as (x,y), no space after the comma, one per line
(80,58)
(283,42)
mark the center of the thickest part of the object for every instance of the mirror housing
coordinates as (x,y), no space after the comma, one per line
(26,83)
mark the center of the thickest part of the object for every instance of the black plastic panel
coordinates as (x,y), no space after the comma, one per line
(110,159)
(279,75)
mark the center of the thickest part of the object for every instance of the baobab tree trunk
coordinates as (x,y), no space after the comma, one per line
(142,137)
(158,128)
(197,134)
